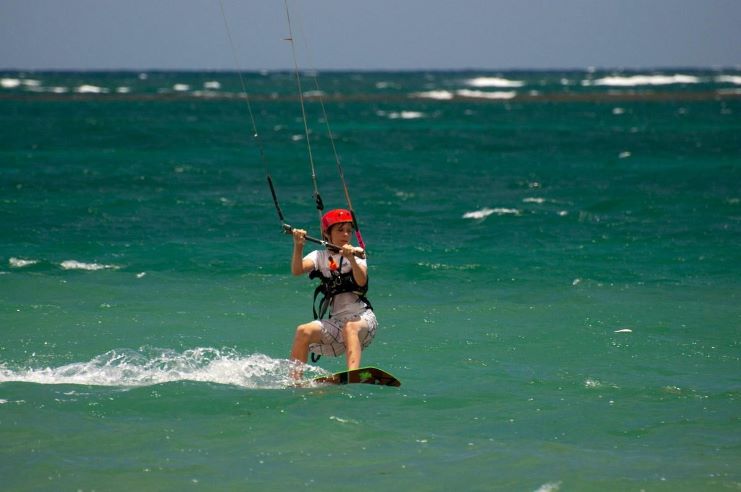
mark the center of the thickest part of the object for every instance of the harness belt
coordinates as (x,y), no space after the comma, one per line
(329,287)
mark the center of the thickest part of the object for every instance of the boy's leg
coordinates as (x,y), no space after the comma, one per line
(306,334)
(353,350)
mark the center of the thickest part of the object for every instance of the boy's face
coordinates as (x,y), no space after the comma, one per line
(340,234)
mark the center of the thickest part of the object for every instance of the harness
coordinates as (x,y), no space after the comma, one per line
(336,283)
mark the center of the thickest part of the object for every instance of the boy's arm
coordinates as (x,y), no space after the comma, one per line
(299,265)
(359,272)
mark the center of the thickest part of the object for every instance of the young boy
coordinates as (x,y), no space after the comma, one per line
(351,325)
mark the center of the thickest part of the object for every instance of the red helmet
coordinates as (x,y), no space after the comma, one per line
(336,216)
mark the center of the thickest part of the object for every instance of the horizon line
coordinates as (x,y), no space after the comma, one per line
(382,70)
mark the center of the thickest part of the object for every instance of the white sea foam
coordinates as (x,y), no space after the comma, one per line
(494,82)
(20,263)
(314,93)
(148,366)
(479,214)
(486,94)
(406,115)
(208,94)
(212,84)
(638,80)
(387,85)
(437,95)
(123,90)
(90,89)
(9,83)
(485,212)
(549,487)
(181,87)
(533,200)
(444,266)
(401,115)
(78,265)
(728,79)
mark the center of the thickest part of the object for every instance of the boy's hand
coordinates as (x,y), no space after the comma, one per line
(299,237)
(350,252)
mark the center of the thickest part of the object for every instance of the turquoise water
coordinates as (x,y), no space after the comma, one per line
(554,261)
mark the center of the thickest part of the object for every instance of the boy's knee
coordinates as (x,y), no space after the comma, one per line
(352,327)
(304,331)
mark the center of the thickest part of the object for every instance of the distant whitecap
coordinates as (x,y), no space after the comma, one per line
(406,115)
(486,94)
(728,79)
(479,214)
(90,89)
(549,487)
(485,212)
(212,84)
(206,94)
(494,82)
(401,115)
(638,80)
(592,383)
(437,95)
(181,87)
(78,265)
(8,83)
(387,85)
(20,262)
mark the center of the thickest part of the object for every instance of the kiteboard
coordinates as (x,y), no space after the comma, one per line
(364,375)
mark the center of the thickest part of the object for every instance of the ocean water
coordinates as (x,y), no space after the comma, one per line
(554,262)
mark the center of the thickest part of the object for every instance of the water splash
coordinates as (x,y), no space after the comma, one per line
(149,366)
